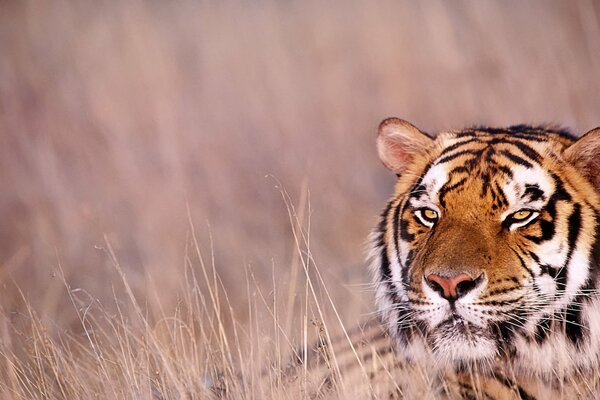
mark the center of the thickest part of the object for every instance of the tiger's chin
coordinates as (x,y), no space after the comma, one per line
(458,345)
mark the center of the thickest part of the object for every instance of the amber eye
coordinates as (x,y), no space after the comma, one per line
(520,218)
(522,215)
(427,216)
(430,214)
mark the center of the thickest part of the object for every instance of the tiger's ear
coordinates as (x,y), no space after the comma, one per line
(399,142)
(584,154)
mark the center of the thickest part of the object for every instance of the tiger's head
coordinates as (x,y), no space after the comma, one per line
(490,246)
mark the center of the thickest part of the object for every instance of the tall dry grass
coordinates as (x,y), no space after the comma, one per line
(185,186)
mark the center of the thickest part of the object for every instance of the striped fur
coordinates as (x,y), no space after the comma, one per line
(531,309)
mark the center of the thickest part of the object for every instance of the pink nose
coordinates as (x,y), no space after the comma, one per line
(453,287)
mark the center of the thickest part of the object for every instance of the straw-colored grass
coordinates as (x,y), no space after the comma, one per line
(187,187)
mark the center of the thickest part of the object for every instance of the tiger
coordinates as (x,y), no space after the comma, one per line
(485,265)
(486,258)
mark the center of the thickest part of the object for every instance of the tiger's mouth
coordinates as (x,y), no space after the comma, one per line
(456,321)
(457,325)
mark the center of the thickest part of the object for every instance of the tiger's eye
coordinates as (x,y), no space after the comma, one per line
(521,215)
(430,214)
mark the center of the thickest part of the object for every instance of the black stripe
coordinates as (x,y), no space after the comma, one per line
(450,157)
(385,267)
(400,228)
(534,192)
(513,386)
(469,392)
(404,332)
(545,269)
(406,267)
(447,189)
(406,236)
(404,233)
(418,187)
(457,145)
(417,191)
(547,226)
(381,228)
(504,338)
(541,132)
(594,256)
(508,329)
(530,138)
(573,320)
(466,133)
(387,274)
(504,169)
(489,155)
(527,150)
(494,169)
(530,129)
(572,314)
(403,327)
(574,328)
(573,235)
(574,324)
(536,133)
(560,192)
(502,200)
(461,169)
(385,264)
(522,262)
(485,184)
(516,159)
(547,232)
(493,131)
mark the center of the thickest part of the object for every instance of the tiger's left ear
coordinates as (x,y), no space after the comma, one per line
(585,155)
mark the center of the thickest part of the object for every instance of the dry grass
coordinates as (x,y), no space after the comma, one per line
(147,241)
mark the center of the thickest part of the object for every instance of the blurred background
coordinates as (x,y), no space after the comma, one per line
(123,125)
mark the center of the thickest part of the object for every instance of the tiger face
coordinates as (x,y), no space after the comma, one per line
(490,246)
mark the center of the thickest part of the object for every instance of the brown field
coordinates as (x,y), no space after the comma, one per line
(187,187)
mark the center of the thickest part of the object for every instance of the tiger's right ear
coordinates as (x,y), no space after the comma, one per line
(399,142)
(584,154)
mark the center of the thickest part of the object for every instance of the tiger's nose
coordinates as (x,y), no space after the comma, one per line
(454,286)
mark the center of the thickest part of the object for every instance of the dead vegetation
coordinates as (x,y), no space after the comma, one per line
(186,186)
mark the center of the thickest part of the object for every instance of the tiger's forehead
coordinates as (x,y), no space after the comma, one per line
(500,167)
